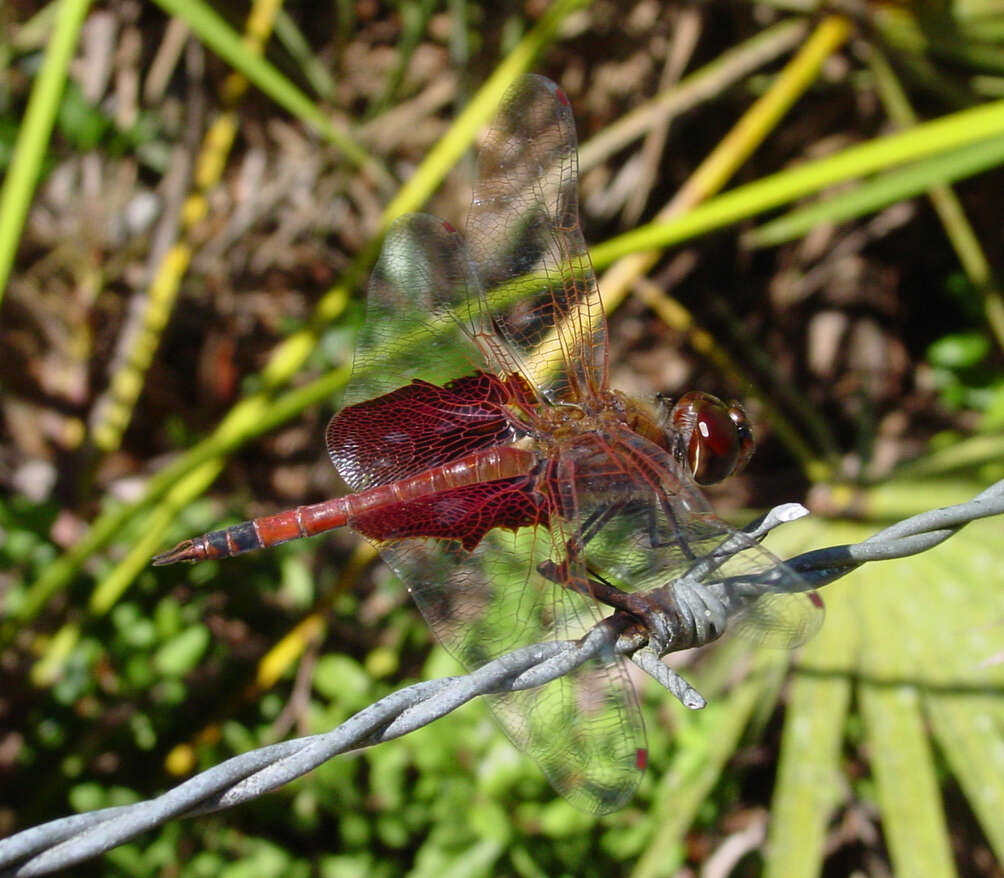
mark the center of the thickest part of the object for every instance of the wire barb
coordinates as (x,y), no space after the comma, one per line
(64,842)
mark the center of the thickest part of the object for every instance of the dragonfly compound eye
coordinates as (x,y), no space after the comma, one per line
(719,441)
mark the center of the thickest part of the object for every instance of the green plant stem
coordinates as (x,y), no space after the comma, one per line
(211,29)
(929,138)
(957,226)
(33,137)
(918,178)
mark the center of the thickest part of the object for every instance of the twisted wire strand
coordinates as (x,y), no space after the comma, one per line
(908,537)
(60,843)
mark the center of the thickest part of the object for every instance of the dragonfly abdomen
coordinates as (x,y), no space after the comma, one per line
(488,465)
(461,500)
(259,533)
(445,493)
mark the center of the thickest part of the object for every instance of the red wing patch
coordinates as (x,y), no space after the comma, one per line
(465,514)
(418,427)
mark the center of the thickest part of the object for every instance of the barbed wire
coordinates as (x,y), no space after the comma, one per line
(69,840)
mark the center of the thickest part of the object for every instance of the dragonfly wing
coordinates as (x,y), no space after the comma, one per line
(418,427)
(422,311)
(524,235)
(781,620)
(645,526)
(584,729)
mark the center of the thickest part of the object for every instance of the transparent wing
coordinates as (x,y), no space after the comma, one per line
(583,729)
(780,620)
(422,311)
(644,527)
(524,236)
(520,297)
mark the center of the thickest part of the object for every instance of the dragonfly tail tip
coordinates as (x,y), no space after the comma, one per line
(181,552)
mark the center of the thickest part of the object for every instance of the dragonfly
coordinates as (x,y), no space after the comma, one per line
(517,494)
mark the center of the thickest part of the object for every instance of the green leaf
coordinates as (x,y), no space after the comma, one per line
(809,777)
(913,818)
(80,122)
(340,678)
(219,36)
(909,641)
(182,652)
(959,350)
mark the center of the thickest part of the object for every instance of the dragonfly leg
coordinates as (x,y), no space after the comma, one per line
(656,619)
(659,619)
(656,543)
(600,518)
(592,526)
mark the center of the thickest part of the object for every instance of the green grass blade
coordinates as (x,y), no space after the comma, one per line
(33,136)
(963,702)
(953,217)
(869,197)
(476,114)
(809,778)
(906,782)
(704,84)
(930,138)
(939,34)
(763,116)
(209,27)
(694,772)
(965,730)
(897,615)
(312,68)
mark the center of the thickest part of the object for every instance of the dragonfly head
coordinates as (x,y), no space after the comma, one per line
(713,439)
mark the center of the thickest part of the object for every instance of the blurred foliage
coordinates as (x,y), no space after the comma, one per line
(155,200)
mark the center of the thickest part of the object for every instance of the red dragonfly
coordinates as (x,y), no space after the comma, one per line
(519,498)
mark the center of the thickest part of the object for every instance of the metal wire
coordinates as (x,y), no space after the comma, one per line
(64,842)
